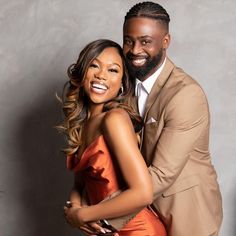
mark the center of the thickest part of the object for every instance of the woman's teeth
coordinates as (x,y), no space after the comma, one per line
(98,88)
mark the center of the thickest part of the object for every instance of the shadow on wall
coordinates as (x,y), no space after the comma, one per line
(234,216)
(46,182)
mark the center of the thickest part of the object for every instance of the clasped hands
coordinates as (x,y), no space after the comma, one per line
(73,215)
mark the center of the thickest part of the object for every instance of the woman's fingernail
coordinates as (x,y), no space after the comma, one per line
(103,231)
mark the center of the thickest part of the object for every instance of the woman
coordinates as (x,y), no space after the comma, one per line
(102,143)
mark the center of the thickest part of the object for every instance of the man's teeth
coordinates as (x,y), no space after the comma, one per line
(99,86)
(139,61)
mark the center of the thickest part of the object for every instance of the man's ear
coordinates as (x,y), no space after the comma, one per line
(166,41)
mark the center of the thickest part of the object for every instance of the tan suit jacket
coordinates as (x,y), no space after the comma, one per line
(175,145)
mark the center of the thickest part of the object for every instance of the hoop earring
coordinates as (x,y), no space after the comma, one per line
(121,90)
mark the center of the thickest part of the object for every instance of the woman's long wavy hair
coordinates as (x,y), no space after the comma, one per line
(75,102)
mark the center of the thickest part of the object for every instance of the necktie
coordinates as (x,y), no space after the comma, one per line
(142,97)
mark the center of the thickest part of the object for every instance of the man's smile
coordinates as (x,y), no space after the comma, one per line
(139,62)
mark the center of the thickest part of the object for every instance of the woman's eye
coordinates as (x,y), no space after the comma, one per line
(93,65)
(113,70)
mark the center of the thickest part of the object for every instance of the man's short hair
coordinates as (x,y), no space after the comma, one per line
(150,10)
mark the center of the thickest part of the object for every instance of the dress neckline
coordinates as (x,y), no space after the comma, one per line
(73,162)
(91,144)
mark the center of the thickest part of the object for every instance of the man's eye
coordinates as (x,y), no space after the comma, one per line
(144,42)
(128,42)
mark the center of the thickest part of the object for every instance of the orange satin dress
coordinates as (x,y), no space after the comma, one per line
(99,173)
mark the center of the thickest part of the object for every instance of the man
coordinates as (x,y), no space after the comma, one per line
(175,137)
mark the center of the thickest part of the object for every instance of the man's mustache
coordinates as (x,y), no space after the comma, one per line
(132,56)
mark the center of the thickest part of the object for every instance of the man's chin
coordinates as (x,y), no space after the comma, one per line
(137,71)
(139,74)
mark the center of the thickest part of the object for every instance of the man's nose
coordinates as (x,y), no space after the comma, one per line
(137,48)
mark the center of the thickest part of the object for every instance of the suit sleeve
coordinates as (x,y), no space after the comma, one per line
(186,118)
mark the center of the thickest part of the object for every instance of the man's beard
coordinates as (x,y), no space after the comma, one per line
(141,71)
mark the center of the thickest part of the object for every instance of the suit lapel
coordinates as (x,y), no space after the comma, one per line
(160,82)
(158,85)
(134,103)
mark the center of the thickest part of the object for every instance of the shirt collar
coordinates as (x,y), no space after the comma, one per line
(149,82)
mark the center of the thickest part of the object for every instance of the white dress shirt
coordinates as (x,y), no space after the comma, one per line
(142,89)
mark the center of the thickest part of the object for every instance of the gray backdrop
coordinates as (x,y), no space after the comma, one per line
(38,40)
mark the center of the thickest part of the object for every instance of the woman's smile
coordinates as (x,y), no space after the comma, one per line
(98,87)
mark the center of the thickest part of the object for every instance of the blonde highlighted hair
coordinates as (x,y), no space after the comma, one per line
(74,101)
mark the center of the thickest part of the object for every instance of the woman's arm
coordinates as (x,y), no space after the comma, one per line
(77,200)
(75,195)
(122,142)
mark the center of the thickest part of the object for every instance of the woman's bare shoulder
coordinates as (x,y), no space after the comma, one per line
(116,115)
(115,119)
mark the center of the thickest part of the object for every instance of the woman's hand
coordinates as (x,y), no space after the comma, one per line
(73,217)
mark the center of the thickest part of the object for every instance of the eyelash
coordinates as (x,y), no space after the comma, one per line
(96,66)
(93,65)
(113,70)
